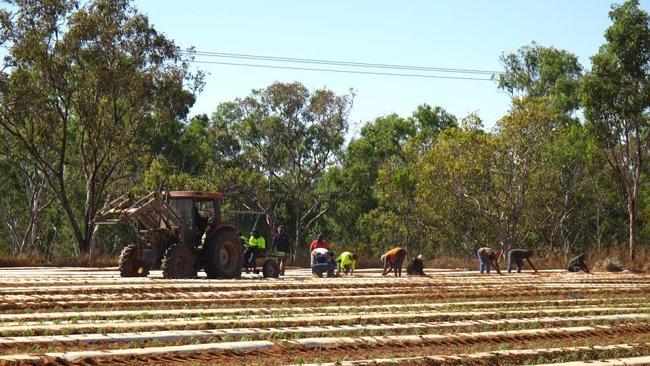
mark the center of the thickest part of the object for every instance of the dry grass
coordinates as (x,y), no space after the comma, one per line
(453,263)
(557,261)
(23,260)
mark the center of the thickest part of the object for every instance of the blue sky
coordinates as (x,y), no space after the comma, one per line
(454,34)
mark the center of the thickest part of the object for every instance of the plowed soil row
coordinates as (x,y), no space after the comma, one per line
(328,349)
(12,345)
(280,311)
(518,357)
(297,278)
(245,289)
(298,298)
(163,286)
(294,321)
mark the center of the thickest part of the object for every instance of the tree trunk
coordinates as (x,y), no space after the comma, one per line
(567,245)
(89,215)
(82,241)
(508,245)
(631,207)
(298,239)
(92,245)
(599,229)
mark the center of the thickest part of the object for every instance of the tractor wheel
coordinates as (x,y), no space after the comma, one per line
(130,265)
(223,255)
(179,262)
(271,269)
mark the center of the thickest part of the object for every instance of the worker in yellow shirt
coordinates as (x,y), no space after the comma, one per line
(256,245)
(346,262)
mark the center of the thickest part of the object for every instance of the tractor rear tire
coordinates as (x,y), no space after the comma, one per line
(179,262)
(223,255)
(130,265)
(271,269)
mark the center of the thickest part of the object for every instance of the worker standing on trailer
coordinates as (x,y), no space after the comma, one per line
(577,264)
(415,267)
(517,256)
(320,242)
(256,245)
(393,260)
(281,245)
(487,258)
(347,262)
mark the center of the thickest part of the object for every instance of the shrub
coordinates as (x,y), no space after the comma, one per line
(611,264)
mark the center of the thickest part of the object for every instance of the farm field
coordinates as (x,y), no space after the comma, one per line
(75,316)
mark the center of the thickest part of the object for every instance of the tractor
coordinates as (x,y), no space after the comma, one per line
(180,232)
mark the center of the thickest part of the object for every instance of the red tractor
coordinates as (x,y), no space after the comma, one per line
(180,232)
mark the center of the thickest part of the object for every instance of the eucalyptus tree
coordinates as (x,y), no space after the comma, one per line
(282,140)
(84,86)
(616,97)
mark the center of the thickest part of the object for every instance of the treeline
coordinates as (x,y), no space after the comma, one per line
(94,103)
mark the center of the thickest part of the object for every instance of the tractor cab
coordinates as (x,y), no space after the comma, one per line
(198,212)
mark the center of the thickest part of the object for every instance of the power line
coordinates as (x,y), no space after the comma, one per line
(340,63)
(343,71)
(492,74)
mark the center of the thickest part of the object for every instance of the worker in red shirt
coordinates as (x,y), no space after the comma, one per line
(393,260)
(319,243)
(487,258)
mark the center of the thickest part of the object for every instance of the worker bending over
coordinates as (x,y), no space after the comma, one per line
(322,261)
(487,258)
(517,256)
(577,264)
(393,260)
(316,253)
(346,262)
(415,267)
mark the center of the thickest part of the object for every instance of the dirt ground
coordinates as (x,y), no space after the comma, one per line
(90,316)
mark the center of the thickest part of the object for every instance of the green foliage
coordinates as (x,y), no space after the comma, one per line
(538,71)
(164,175)
(274,150)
